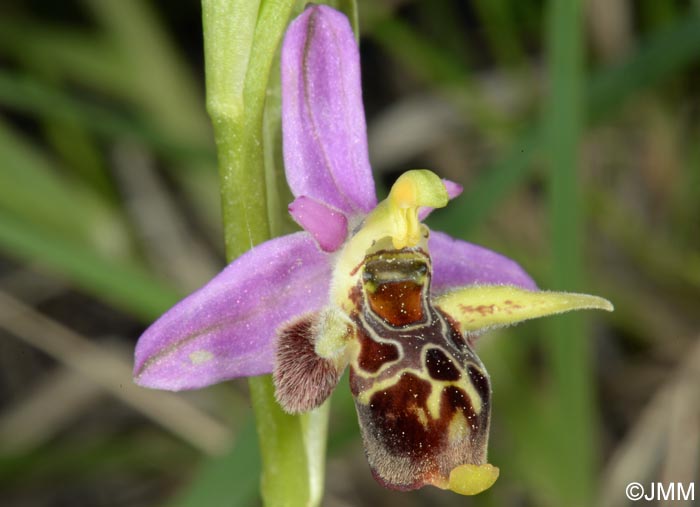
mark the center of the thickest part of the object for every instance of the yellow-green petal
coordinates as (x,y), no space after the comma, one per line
(481,307)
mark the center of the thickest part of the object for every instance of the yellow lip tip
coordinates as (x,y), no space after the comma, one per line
(472,479)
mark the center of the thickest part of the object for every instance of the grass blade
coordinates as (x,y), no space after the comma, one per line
(125,286)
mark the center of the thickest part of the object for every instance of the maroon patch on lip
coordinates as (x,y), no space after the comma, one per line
(480,383)
(392,414)
(441,367)
(398,303)
(458,401)
(374,354)
(454,336)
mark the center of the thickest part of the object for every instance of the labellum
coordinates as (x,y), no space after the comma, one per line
(422,394)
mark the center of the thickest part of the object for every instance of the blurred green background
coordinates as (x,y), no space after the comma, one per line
(575,130)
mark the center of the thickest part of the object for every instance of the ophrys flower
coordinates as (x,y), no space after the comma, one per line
(366,285)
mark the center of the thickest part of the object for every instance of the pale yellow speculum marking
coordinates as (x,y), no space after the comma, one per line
(434,399)
(421,415)
(437,386)
(458,428)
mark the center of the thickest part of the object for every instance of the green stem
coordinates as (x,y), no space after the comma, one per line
(241,38)
(229,30)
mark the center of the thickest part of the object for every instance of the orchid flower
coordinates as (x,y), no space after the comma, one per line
(364,285)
